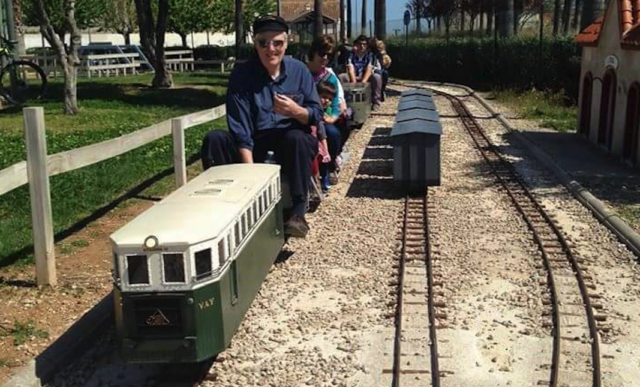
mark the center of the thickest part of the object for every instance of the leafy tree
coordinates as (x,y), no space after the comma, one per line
(187,16)
(122,19)
(224,11)
(87,13)
(53,27)
(419,10)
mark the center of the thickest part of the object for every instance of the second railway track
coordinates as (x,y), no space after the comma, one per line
(576,354)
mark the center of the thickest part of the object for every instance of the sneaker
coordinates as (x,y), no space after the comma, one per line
(338,162)
(333,178)
(296,227)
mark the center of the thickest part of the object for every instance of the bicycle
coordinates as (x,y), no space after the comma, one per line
(29,80)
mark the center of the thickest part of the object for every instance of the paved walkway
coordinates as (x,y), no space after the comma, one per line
(608,178)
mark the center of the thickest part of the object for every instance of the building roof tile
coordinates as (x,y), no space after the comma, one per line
(291,10)
(629,20)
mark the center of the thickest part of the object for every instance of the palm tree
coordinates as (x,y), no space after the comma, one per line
(342,30)
(349,20)
(505,19)
(317,18)
(363,22)
(381,18)
(238,21)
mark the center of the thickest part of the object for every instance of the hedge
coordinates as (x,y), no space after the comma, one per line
(519,64)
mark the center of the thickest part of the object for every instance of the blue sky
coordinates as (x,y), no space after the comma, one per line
(395,8)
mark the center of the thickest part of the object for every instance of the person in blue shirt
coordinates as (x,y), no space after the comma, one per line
(271,104)
(360,68)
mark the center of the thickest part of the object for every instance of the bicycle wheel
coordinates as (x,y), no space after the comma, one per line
(30,82)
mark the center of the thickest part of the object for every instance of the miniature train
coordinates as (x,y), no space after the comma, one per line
(187,270)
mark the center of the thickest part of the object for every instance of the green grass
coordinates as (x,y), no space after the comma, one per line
(630,212)
(24,331)
(552,110)
(110,107)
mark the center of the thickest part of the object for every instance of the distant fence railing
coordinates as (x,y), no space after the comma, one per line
(180,60)
(98,64)
(39,166)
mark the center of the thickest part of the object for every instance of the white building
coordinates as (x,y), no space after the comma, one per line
(610,81)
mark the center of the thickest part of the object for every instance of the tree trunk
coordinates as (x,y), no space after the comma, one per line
(146,27)
(566,16)
(127,38)
(238,26)
(67,56)
(70,90)
(505,19)
(350,20)
(363,18)
(490,18)
(162,77)
(518,8)
(381,19)
(317,18)
(461,19)
(576,15)
(342,23)
(183,37)
(556,17)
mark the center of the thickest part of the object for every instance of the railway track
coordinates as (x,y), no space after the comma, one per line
(571,316)
(418,296)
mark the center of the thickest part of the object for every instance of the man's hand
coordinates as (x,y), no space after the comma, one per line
(285,106)
(329,119)
(289,108)
(246,155)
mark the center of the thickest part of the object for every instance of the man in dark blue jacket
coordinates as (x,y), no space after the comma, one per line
(271,104)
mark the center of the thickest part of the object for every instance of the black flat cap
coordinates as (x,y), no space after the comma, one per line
(270,23)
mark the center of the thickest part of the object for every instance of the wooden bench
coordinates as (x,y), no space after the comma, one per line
(108,64)
(180,60)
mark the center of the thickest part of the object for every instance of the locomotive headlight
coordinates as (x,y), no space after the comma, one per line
(151,242)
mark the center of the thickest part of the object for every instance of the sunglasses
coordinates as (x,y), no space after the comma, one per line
(265,43)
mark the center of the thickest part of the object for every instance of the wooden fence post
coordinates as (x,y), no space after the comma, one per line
(179,160)
(41,217)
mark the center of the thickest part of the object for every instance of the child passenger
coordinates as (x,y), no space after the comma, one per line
(326,92)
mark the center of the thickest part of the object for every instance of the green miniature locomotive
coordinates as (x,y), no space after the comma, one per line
(187,269)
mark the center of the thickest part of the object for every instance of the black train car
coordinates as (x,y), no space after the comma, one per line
(416,142)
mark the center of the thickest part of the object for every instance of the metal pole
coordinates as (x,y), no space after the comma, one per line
(278,8)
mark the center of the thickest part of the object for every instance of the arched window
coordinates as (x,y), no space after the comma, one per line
(585,108)
(632,125)
(607,109)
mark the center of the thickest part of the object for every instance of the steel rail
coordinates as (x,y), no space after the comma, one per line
(475,130)
(411,208)
(435,366)
(397,347)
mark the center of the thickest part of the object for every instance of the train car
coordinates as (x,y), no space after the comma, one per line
(187,270)
(358,98)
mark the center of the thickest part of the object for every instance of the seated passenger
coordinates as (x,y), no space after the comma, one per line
(360,66)
(327,93)
(383,61)
(271,104)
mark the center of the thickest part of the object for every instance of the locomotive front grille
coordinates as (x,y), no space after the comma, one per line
(158,317)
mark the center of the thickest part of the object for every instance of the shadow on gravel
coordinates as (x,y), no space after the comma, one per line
(374,177)
(73,343)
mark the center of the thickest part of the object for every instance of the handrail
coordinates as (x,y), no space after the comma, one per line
(15,175)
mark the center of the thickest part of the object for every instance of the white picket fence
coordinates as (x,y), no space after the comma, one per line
(39,166)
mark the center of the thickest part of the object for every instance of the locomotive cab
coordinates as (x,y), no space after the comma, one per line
(187,269)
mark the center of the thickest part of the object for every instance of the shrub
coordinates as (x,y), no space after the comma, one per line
(519,63)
